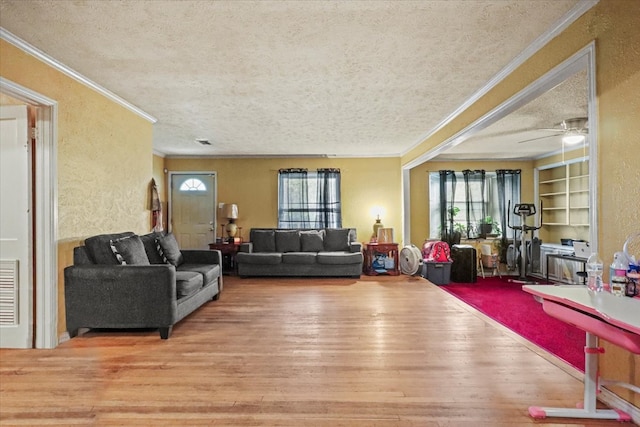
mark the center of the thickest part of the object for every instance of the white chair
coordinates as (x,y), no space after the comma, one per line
(489,259)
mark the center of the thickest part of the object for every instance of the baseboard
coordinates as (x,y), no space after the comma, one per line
(614,401)
(63,337)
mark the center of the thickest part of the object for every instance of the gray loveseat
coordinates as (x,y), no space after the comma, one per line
(129,281)
(302,252)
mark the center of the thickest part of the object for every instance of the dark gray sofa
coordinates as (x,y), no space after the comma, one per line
(157,287)
(301,252)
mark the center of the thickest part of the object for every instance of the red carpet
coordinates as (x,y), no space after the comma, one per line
(509,305)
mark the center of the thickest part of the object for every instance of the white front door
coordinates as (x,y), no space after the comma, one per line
(16,279)
(192,213)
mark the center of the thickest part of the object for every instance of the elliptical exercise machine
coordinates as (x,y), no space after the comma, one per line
(523,210)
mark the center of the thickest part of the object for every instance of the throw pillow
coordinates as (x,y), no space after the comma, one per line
(287,241)
(152,247)
(312,241)
(263,240)
(99,247)
(170,249)
(129,251)
(336,239)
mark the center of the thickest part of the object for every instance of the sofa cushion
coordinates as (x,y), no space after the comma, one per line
(287,241)
(263,240)
(152,247)
(336,239)
(269,258)
(312,241)
(129,251)
(209,272)
(99,248)
(187,283)
(339,258)
(170,249)
(299,258)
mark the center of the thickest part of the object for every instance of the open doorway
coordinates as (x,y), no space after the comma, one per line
(44,314)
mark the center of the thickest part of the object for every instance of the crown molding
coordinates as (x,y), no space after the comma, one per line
(556,28)
(53,63)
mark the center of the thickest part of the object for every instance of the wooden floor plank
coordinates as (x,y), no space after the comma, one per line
(379,351)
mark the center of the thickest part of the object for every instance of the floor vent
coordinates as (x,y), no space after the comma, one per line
(8,292)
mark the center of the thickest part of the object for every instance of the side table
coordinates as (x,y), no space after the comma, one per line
(229,251)
(381,258)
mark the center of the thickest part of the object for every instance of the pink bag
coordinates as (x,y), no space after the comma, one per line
(436,251)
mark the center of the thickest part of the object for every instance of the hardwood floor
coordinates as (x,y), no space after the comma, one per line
(379,351)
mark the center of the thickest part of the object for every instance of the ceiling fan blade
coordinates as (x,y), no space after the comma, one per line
(540,137)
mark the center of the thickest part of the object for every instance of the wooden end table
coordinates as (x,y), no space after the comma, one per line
(381,258)
(229,251)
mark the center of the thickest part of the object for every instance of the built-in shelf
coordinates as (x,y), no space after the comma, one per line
(564,191)
(551,181)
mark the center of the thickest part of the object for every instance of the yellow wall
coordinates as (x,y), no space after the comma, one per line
(104,160)
(613,24)
(252,184)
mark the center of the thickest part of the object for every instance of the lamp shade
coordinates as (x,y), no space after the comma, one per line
(230,211)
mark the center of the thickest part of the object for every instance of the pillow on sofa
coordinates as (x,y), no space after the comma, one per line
(170,249)
(152,247)
(99,248)
(312,241)
(129,251)
(336,239)
(263,240)
(287,241)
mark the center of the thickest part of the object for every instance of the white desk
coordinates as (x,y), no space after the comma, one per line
(616,319)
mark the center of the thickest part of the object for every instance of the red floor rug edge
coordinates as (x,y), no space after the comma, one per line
(506,303)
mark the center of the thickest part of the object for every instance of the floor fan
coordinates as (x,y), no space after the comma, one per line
(410,260)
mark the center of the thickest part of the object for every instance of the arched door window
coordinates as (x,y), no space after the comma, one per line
(193,184)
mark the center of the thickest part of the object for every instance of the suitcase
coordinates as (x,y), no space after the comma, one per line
(465,264)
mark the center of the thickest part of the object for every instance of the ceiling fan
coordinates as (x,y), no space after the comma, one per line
(573,131)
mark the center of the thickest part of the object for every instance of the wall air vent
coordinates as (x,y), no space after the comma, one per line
(8,292)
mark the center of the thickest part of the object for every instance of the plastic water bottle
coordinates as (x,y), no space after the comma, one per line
(594,273)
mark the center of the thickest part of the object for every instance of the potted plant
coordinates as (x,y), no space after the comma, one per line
(489,226)
(453,233)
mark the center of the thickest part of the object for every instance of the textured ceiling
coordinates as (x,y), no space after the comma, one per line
(531,130)
(343,78)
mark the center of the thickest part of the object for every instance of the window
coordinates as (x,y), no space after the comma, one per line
(309,199)
(475,196)
(193,184)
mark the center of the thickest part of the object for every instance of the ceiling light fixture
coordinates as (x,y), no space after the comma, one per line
(572,138)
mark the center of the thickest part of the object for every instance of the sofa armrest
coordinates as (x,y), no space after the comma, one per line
(122,296)
(355,247)
(246,247)
(202,256)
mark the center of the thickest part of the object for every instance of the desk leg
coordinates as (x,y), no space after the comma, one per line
(588,409)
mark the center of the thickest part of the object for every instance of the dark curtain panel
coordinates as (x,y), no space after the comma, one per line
(447,198)
(508,181)
(329,208)
(293,207)
(474,182)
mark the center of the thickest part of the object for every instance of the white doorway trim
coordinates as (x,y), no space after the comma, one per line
(46,212)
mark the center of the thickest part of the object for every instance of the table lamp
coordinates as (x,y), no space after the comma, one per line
(230,211)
